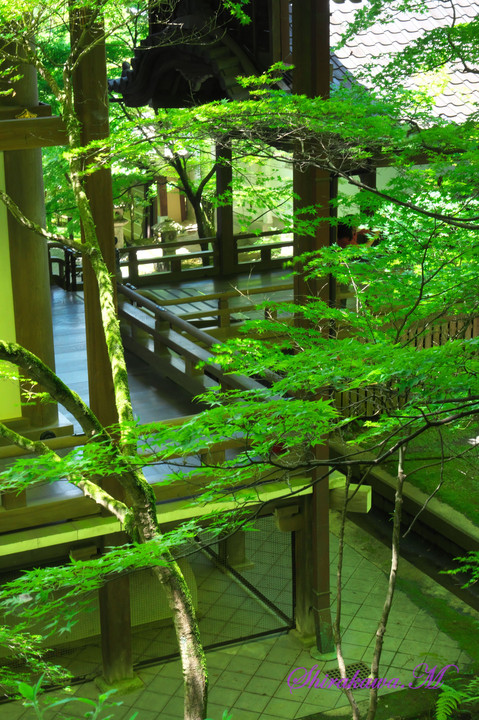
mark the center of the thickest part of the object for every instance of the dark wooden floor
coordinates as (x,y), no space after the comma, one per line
(154,398)
(242,284)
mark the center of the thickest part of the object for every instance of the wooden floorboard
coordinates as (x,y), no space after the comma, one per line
(206,286)
(153,398)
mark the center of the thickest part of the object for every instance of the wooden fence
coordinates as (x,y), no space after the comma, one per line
(432,332)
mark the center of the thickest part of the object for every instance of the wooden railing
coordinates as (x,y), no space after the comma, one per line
(65,267)
(65,521)
(146,264)
(163,262)
(367,402)
(261,256)
(216,310)
(173,346)
(166,334)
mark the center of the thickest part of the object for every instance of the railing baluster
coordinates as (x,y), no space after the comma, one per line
(175,264)
(133,265)
(224,317)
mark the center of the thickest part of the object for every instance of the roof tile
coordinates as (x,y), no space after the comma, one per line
(461,95)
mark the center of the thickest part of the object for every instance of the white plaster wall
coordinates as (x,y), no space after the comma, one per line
(345,189)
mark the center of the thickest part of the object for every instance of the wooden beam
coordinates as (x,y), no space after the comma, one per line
(13,112)
(170,513)
(91,107)
(29,133)
(313,189)
(360,498)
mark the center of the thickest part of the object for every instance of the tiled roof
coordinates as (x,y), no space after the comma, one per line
(460,95)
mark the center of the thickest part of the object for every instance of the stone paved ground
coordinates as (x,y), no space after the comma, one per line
(250,679)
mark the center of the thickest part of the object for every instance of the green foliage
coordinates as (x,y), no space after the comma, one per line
(237,9)
(451,699)
(30,650)
(42,704)
(422,273)
(448,701)
(469,565)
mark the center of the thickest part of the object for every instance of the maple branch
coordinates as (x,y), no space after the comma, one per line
(38,229)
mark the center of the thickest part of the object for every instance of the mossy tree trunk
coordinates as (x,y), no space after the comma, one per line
(141,498)
(138,511)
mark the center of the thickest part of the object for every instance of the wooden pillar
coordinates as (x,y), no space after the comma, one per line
(320,555)
(232,551)
(311,77)
(9,389)
(311,59)
(280,39)
(28,252)
(305,628)
(224,214)
(91,105)
(115,624)
(162,195)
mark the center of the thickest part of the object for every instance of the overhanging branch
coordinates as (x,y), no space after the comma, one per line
(38,229)
(36,370)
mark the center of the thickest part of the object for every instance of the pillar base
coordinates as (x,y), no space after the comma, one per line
(305,641)
(123,687)
(238,566)
(324,656)
(22,425)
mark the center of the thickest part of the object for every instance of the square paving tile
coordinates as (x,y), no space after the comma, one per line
(274,670)
(233,680)
(252,701)
(281,708)
(264,686)
(222,695)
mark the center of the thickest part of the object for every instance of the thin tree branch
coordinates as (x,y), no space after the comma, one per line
(40,373)
(89,488)
(373,695)
(36,228)
(101,497)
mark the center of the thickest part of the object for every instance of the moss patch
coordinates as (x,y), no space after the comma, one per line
(461,476)
(463,628)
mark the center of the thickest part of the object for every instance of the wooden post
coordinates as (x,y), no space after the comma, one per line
(159,347)
(305,628)
(133,265)
(228,262)
(232,551)
(11,501)
(224,316)
(115,626)
(28,253)
(311,59)
(91,105)
(162,195)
